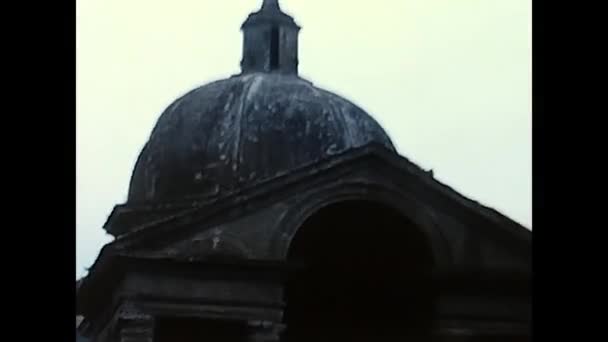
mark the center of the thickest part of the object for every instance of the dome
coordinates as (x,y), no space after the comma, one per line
(244,129)
(257,125)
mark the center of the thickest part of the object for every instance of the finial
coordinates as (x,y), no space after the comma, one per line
(270,5)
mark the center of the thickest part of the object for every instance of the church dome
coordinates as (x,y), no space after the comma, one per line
(250,127)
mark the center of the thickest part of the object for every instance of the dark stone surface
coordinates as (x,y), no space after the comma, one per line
(260,214)
(261,196)
(470,243)
(233,132)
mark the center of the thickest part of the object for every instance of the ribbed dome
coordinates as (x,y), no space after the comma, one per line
(243,129)
(262,123)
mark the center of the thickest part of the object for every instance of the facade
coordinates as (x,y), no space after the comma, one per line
(263,208)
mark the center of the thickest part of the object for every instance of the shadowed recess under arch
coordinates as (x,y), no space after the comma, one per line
(363,275)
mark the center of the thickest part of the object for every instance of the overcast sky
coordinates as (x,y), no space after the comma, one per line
(449,80)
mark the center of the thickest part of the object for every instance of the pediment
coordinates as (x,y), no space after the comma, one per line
(189,232)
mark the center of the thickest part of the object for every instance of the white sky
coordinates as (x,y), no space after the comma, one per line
(449,80)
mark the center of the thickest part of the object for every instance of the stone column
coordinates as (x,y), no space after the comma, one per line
(265,331)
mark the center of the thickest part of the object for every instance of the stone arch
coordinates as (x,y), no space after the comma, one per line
(315,201)
(363,255)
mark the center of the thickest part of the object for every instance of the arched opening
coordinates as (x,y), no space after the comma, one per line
(361,276)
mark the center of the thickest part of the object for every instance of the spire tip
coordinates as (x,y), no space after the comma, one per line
(271,4)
